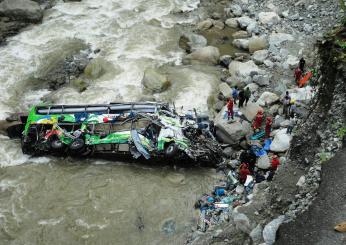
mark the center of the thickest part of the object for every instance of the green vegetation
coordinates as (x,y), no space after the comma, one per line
(341,132)
(324,156)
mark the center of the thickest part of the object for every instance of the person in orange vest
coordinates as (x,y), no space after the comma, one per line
(268,127)
(230,110)
(258,120)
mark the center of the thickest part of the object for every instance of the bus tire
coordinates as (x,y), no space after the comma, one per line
(171,150)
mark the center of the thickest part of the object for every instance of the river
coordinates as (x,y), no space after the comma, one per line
(45,200)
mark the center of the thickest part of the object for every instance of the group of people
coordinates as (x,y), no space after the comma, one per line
(242,96)
(247,167)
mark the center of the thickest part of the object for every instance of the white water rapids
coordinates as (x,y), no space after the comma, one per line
(53,201)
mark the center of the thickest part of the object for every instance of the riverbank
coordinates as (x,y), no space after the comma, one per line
(283,33)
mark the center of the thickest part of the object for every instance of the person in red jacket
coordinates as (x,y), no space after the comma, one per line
(258,120)
(268,127)
(275,162)
(243,172)
(230,110)
(298,74)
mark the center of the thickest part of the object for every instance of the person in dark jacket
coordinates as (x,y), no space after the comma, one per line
(302,64)
(247,94)
(241,97)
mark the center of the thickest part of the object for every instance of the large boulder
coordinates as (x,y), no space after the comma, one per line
(241,43)
(244,72)
(245,21)
(268,18)
(225,90)
(269,231)
(250,110)
(276,39)
(154,81)
(291,62)
(191,42)
(257,43)
(205,24)
(23,10)
(261,79)
(242,222)
(218,24)
(209,55)
(259,56)
(230,132)
(267,99)
(281,142)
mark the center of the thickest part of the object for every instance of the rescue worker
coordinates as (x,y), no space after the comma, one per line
(286,102)
(302,64)
(235,93)
(257,123)
(230,111)
(243,172)
(268,127)
(247,95)
(275,162)
(291,125)
(241,96)
(297,74)
(292,108)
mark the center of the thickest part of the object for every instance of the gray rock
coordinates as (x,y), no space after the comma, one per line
(268,63)
(228,151)
(268,18)
(307,28)
(241,43)
(259,56)
(291,62)
(276,39)
(218,24)
(240,34)
(232,22)
(243,71)
(250,110)
(230,132)
(225,90)
(252,28)
(261,79)
(257,43)
(242,222)
(267,98)
(269,231)
(154,81)
(225,60)
(209,55)
(24,10)
(236,10)
(256,234)
(244,21)
(205,25)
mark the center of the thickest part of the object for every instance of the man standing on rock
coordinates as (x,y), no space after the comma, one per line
(286,102)
(247,95)
(302,64)
(230,110)
(235,93)
(241,98)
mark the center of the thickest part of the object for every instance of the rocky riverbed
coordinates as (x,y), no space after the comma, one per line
(274,36)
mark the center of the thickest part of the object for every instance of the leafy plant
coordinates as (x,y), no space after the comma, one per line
(324,156)
(341,132)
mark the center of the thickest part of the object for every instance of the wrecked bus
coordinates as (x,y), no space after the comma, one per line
(141,130)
